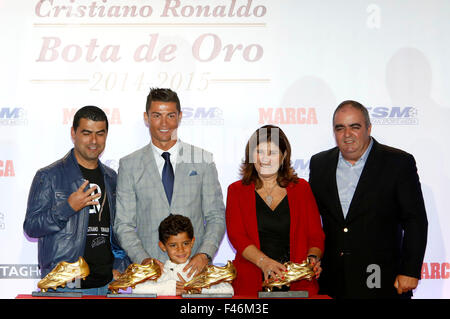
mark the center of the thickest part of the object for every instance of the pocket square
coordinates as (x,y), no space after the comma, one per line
(193,173)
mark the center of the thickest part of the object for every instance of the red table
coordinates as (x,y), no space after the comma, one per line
(29,296)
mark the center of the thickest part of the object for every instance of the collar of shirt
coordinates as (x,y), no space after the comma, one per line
(160,160)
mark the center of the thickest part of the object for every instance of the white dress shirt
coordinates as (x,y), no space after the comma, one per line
(160,160)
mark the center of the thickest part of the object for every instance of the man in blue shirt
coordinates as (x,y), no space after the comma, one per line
(373,214)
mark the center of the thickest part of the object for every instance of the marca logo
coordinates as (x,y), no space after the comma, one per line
(202,116)
(393,115)
(13,116)
(301,166)
(18,271)
(112,114)
(6,168)
(287,115)
(434,270)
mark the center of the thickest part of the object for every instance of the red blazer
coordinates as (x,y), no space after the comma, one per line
(305,232)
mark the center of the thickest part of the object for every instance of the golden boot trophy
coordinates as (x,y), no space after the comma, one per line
(211,275)
(64,272)
(294,272)
(135,274)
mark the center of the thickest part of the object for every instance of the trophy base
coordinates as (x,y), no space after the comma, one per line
(57,294)
(283,294)
(131,295)
(206,296)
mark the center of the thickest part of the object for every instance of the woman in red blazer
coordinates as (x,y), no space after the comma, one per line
(271,215)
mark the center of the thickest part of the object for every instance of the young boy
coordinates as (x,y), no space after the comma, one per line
(176,237)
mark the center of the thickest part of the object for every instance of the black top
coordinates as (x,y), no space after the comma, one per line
(274,229)
(97,253)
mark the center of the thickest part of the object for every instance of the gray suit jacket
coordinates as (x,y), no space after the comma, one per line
(142,203)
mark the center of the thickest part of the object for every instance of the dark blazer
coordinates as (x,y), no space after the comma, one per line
(242,229)
(385,231)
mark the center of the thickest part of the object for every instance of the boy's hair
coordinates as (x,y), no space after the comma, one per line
(174,225)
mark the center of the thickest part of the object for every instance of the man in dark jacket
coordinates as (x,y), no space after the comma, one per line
(373,213)
(72,204)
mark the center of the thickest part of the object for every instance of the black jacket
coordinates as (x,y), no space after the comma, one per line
(385,230)
(61,230)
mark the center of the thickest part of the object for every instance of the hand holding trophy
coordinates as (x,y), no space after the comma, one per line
(294,272)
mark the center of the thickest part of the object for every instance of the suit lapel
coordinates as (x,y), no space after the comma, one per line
(153,176)
(366,181)
(330,181)
(181,171)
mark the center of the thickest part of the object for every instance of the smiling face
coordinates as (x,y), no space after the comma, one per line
(351,133)
(89,141)
(163,119)
(268,159)
(178,247)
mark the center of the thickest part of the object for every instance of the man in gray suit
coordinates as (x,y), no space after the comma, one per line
(165,177)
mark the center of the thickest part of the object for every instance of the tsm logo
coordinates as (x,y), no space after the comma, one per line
(393,115)
(202,116)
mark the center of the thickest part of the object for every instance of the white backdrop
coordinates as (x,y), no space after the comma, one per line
(236,65)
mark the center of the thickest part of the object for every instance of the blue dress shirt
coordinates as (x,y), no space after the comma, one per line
(347,177)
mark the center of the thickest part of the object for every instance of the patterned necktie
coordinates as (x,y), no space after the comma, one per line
(167,176)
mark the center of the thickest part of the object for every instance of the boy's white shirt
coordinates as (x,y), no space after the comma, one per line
(166,285)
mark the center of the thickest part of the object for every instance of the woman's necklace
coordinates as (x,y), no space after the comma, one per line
(269,198)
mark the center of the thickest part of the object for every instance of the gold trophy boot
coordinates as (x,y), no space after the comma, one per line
(64,272)
(135,274)
(212,275)
(294,272)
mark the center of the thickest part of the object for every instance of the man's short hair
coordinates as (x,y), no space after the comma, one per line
(356,105)
(162,95)
(174,225)
(90,112)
